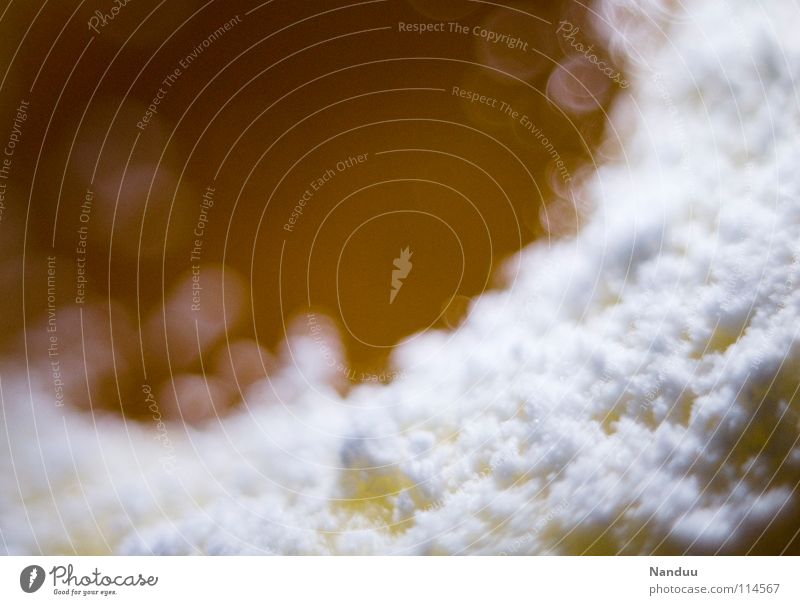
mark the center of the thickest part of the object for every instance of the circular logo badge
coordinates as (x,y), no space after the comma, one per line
(31,578)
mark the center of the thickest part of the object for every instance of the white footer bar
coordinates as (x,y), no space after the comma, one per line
(400,580)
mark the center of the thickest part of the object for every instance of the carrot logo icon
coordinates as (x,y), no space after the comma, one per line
(31,578)
(403,268)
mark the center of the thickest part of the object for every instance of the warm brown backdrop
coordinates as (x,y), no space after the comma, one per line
(464,186)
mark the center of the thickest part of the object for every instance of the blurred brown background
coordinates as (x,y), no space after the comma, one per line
(286,93)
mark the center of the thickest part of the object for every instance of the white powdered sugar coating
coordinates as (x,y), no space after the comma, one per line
(633,390)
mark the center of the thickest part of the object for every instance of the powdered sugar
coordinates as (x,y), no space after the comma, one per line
(633,390)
